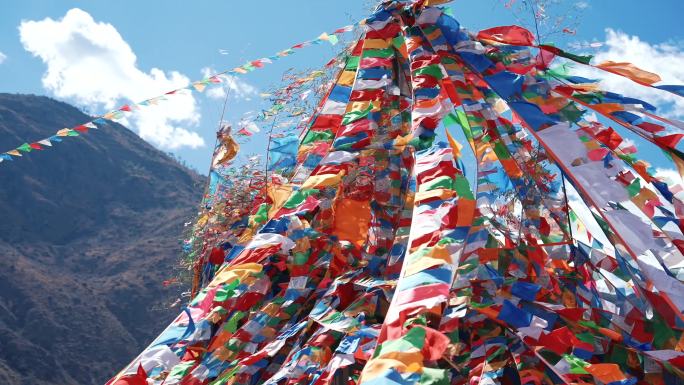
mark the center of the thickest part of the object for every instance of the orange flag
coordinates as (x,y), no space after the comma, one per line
(455,145)
(354,220)
(630,71)
(606,373)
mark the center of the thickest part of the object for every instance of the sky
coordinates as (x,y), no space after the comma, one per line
(100,54)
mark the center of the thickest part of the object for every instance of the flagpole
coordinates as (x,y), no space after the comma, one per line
(194,288)
(268,147)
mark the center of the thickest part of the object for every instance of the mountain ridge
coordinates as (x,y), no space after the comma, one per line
(89,229)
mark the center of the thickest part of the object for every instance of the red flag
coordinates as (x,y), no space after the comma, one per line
(668,141)
(511,34)
(597,154)
(544,227)
(651,127)
(435,344)
(139,378)
(609,137)
(244,131)
(217,256)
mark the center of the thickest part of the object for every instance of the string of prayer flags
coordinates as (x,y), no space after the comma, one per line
(196,86)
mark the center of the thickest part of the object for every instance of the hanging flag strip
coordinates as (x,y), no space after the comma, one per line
(197,86)
(381,260)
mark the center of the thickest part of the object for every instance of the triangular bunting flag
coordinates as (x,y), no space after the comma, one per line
(25,147)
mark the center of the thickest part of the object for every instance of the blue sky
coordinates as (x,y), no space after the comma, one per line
(185,37)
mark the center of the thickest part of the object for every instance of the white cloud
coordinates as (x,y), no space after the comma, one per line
(251,126)
(3,57)
(90,64)
(627,142)
(664,59)
(581,5)
(671,176)
(237,88)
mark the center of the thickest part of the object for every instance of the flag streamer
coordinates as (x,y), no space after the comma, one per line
(196,86)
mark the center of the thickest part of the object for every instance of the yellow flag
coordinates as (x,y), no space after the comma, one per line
(322,180)
(199,86)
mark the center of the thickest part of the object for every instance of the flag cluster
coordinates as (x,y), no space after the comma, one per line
(379,262)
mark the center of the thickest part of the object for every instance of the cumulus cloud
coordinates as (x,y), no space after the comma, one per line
(3,57)
(669,175)
(664,59)
(236,88)
(90,64)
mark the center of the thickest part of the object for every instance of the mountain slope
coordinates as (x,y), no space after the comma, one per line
(89,229)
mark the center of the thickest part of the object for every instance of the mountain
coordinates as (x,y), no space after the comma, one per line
(89,230)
